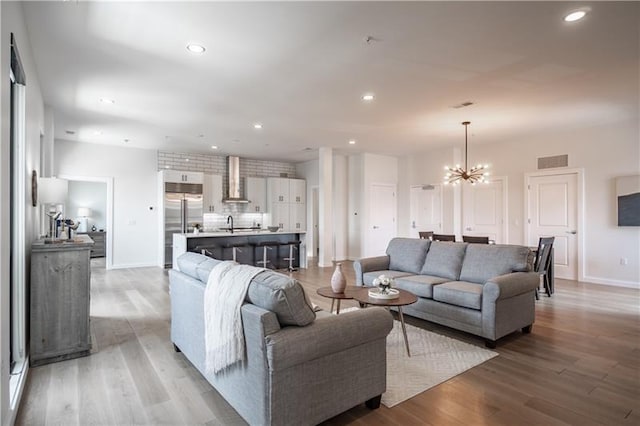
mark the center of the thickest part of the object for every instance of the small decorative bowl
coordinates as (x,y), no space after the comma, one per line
(273,228)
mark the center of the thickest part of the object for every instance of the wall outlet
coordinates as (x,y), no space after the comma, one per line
(624,261)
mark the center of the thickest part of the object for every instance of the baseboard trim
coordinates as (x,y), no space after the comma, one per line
(134,265)
(17,390)
(614,283)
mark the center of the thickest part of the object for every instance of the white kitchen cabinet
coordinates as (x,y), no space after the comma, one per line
(280,215)
(286,199)
(297,191)
(179,176)
(212,194)
(278,190)
(256,193)
(298,217)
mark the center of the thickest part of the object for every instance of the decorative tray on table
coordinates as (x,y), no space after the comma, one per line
(376,293)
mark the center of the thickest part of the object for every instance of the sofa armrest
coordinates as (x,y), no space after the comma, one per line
(368,264)
(509,285)
(295,345)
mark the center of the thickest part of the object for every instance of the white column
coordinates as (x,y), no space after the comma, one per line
(325,210)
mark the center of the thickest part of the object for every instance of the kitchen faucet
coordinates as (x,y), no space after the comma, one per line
(230,219)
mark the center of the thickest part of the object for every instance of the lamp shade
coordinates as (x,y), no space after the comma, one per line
(52,190)
(84,212)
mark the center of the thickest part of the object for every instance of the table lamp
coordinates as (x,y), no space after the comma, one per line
(83,214)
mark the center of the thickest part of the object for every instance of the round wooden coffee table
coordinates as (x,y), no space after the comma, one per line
(405,298)
(328,292)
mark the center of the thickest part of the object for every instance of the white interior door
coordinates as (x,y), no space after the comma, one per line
(483,210)
(553,208)
(382,208)
(425,209)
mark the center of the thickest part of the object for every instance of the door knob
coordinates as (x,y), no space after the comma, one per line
(375,227)
(572,232)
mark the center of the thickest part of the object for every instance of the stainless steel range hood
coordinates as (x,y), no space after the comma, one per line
(233,194)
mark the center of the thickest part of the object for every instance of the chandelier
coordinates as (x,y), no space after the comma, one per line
(473,175)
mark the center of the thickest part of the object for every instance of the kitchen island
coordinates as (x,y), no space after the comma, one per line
(219,245)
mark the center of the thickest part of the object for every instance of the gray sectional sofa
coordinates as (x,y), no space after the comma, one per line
(486,290)
(302,367)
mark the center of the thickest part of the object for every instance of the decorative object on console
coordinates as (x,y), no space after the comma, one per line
(338,281)
(472,175)
(83,215)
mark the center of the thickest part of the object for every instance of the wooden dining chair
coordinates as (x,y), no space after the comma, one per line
(444,237)
(542,264)
(425,235)
(475,240)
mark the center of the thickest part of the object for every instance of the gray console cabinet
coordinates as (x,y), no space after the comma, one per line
(60,290)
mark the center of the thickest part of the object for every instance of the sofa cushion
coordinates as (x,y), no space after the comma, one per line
(204,269)
(188,263)
(444,260)
(283,296)
(459,293)
(407,254)
(484,261)
(420,285)
(368,277)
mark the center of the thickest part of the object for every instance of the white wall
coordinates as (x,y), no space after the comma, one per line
(12,21)
(604,152)
(134,173)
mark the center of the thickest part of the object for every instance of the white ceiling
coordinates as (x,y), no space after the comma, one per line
(301,69)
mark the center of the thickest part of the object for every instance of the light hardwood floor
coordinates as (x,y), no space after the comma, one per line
(580,365)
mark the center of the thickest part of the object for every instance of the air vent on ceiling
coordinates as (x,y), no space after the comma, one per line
(284,175)
(553,162)
(70,132)
(462,105)
(428,187)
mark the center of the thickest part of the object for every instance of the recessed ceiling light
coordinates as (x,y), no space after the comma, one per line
(196,48)
(257,126)
(368,97)
(575,15)
(97,133)
(107,101)
(352,142)
(214,147)
(186,159)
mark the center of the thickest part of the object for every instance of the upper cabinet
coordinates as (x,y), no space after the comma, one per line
(212,194)
(297,191)
(278,190)
(178,176)
(256,193)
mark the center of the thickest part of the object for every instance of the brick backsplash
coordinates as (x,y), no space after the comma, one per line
(217,165)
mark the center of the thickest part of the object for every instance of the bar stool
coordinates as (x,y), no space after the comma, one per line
(235,249)
(265,245)
(208,250)
(293,245)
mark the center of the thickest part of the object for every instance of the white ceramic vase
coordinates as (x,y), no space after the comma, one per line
(338,282)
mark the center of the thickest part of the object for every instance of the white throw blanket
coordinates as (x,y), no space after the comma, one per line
(223,297)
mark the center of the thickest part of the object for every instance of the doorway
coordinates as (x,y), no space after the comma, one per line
(425,205)
(553,210)
(94,197)
(382,218)
(484,210)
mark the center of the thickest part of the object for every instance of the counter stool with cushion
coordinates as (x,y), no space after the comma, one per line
(292,245)
(265,246)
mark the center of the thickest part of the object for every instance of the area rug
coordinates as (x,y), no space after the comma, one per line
(434,360)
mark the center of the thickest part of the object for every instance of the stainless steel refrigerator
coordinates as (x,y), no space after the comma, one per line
(182,210)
